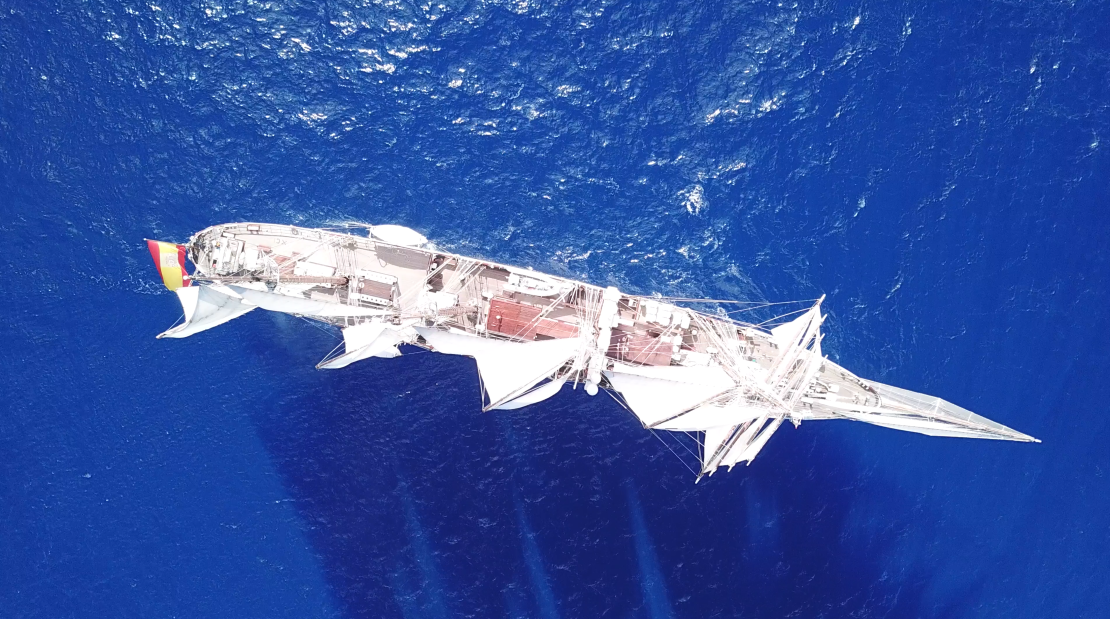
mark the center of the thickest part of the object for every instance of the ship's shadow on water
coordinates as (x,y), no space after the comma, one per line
(418,505)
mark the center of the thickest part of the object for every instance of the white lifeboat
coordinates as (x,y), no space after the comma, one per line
(398,235)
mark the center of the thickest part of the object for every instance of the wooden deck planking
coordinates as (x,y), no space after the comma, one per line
(508,317)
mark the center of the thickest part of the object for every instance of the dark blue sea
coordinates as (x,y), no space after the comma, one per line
(941,170)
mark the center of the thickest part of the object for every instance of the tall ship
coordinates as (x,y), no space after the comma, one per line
(727,383)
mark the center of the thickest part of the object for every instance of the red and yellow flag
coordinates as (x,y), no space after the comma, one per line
(170,260)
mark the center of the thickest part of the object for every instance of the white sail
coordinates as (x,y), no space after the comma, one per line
(919,426)
(506,368)
(205,308)
(739,443)
(712,416)
(714,438)
(658,393)
(538,394)
(710,375)
(757,444)
(786,335)
(456,343)
(509,373)
(910,411)
(794,347)
(298,305)
(813,361)
(365,340)
(938,408)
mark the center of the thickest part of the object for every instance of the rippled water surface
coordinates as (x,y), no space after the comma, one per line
(939,170)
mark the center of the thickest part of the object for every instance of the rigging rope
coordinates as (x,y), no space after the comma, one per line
(313,323)
(687,448)
(768,304)
(731,301)
(806,309)
(653,433)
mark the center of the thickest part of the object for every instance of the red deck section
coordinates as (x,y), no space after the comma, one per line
(375,289)
(639,347)
(519,320)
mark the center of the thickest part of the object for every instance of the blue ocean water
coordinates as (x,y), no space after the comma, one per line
(939,170)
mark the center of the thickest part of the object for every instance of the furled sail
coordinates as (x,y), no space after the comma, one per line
(205,307)
(657,394)
(506,368)
(365,340)
(306,307)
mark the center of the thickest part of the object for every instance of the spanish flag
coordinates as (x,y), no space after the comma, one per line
(170,260)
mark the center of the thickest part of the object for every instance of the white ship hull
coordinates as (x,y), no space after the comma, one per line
(676,369)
